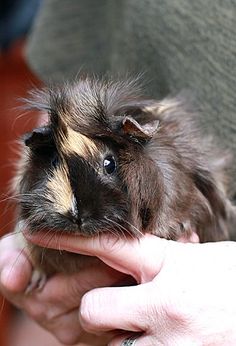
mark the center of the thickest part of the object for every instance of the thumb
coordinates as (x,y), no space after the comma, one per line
(141,258)
(112,308)
(15,268)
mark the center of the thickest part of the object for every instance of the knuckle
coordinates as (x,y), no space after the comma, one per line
(174,312)
(66,337)
(40,312)
(36,312)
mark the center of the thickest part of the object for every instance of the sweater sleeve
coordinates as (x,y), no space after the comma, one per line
(178,45)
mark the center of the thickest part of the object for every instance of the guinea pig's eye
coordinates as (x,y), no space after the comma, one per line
(109,164)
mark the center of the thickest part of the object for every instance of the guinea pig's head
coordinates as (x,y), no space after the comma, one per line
(86,171)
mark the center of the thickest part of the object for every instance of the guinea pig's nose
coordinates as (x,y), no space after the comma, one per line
(85,217)
(75,220)
(87,223)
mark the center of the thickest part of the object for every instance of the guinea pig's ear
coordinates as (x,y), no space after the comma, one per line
(39,137)
(134,119)
(133,128)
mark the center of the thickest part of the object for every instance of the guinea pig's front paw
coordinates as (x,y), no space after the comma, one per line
(37,282)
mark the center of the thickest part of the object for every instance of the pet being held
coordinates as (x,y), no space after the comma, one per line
(112,160)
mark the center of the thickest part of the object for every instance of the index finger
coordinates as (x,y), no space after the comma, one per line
(141,258)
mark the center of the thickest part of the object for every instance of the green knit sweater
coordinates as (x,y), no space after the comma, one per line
(179,44)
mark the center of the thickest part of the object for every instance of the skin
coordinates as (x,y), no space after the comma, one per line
(185,293)
(55,307)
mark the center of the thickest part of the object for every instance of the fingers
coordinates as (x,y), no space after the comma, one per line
(141,258)
(63,292)
(65,328)
(68,331)
(16,273)
(15,268)
(125,308)
(56,306)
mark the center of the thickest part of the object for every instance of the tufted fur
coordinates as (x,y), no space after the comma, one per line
(168,179)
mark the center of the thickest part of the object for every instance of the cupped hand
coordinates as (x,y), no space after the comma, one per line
(55,307)
(185,293)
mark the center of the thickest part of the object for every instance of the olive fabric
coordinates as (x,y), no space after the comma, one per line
(177,44)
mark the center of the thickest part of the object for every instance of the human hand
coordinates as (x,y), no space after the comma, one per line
(55,307)
(185,295)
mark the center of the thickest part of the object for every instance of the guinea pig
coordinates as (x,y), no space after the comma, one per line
(112,160)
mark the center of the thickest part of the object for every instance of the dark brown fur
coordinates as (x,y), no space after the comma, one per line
(168,181)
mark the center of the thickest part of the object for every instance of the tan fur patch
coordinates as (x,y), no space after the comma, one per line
(79,144)
(60,191)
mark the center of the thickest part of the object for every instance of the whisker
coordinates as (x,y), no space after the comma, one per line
(17,258)
(120,227)
(59,244)
(136,229)
(44,248)
(13,222)
(127,231)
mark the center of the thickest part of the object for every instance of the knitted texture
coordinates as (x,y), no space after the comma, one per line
(178,44)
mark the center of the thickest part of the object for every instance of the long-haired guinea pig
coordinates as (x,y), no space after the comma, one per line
(111,160)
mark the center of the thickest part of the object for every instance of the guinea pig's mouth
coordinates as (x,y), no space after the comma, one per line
(87,228)
(88,232)
(45,236)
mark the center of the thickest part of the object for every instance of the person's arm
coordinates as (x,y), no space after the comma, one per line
(185,293)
